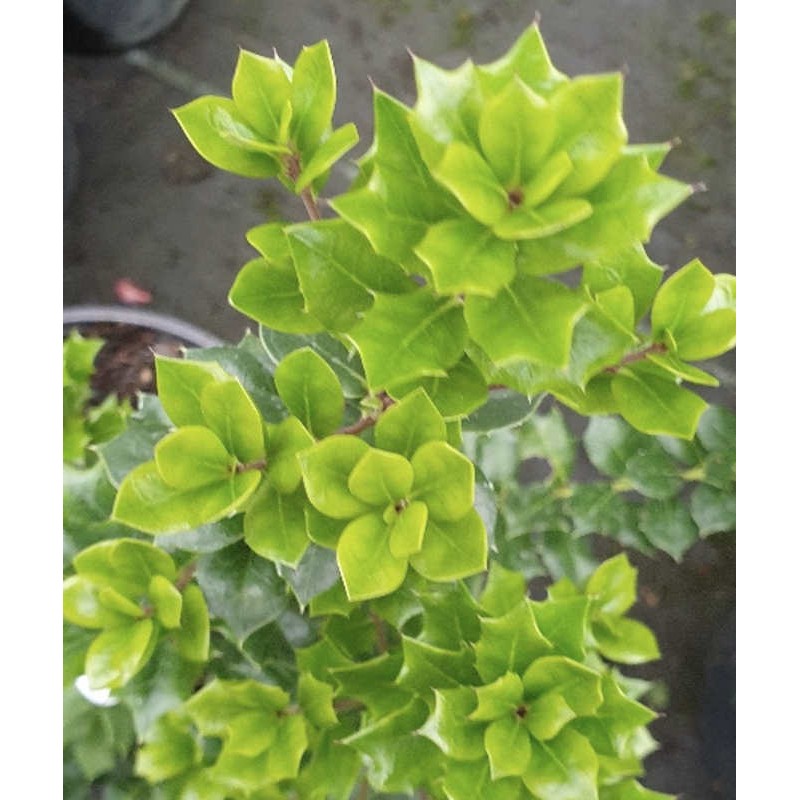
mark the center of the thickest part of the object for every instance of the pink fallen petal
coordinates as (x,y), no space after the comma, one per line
(130,294)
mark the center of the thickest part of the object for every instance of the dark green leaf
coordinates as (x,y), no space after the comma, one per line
(135,444)
(316,573)
(241,588)
(669,526)
(714,510)
(503,409)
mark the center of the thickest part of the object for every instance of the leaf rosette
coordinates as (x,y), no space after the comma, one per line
(407,501)
(131,592)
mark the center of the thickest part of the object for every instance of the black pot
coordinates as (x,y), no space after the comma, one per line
(132,336)
(104,26)
(191,335)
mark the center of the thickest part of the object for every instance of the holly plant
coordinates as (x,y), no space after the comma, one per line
(302,570)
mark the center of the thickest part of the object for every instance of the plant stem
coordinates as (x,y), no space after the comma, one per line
(253,465)
(639,355)
(368,420)
(312,209)
(380,632)
(185,576)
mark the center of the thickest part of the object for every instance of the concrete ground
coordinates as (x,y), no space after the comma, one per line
(146,208)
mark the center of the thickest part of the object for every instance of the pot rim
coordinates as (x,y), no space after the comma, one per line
(143,318)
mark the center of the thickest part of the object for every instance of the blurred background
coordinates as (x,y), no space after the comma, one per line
(146,220)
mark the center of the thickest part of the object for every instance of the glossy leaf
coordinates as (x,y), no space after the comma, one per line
(339,273)
(462,391)
(232,415)
(403,337)
(381,478)
(180,386)
(221,135)
(448,727)
(516,130)
(499,699)
(147,503)
(284,442)
(409,424)
(117,654)
(577,684)
(657,406)
(452,550)
(313,96)
(191,457)
(326,469)
(612,587)
(588,114)
(508,745)
(565,768)
(444,480)
(275,526)
(193,636)
(365,559)
(509,643)
(271,295)
(241,588)
(624,640)
(668,524)
(524,305)
(682,297)
(311,391)
(327,154)
(260,90)
(249,364)
(464,256)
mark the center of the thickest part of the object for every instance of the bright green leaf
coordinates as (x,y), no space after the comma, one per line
(508,745)
(498,699)
(365,559)
(612,587)
(326,468)
(408,424)
(311,391)
(275,526)
(147,503)
(403,337)
(230,412)
(193,636)
(524,306)
(327,154)
(624,640)
(167,601)
(565,768)
(191,457)
(284,442)
(444,480)
(313,96)
(117,654)
(464,256)
(681,297)
(180,385)
(381,477)
(260,90)
(657,406)
(452,550)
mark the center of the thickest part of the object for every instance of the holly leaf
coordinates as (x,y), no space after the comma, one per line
(339,273)
(407,336)
(657,406)
(326,469)
(509,643)
(365,559)
(669,526)
(565,768)
(311,391)
(444,480)
(260,90)
(221,135)
(313,97)
(270,294)
(147,503)
(275,525)
(241,589)
(452,550)
(449,728)
(522,306)
(624,640)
